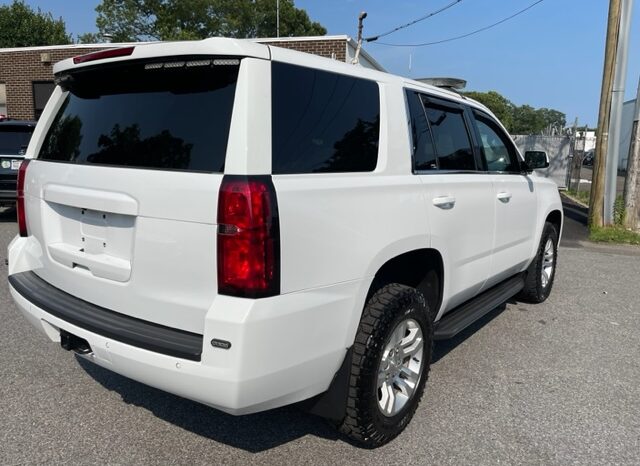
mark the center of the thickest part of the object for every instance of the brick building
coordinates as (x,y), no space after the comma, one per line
(26,77)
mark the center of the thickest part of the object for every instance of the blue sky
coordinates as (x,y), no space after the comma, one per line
(551,56)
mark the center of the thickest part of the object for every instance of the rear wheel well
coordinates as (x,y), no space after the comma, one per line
(555,218)
(421,269)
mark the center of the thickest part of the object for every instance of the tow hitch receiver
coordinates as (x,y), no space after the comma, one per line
(71,342)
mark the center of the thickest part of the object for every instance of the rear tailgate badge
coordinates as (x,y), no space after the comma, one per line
(220,343)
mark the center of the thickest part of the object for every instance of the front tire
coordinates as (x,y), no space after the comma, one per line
(390,365)
(542,271)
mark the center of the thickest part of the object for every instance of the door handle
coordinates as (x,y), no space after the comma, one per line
(444,202)
(504,197)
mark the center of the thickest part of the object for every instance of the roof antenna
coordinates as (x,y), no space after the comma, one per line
(356,58)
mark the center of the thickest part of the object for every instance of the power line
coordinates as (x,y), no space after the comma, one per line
(467,34)
(422,18)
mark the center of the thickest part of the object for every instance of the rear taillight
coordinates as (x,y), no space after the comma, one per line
(248,237)
(22,216)
(102,54)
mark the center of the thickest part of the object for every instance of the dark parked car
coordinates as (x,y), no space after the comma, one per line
(14,139)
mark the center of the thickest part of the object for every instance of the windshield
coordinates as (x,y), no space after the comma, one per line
(14,139)
(146,115)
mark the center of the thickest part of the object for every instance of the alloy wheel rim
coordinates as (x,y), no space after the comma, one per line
(400,367)
(548,263)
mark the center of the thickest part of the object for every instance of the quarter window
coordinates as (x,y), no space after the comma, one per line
(497,148)
(323,122)
(451,138)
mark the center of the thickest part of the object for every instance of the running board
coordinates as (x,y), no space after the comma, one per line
(466,314)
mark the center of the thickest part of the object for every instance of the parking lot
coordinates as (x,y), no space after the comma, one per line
(555,383)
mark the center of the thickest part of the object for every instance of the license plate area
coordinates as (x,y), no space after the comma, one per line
(94,231)
(91,241)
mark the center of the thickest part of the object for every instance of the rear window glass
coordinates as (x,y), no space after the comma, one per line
(14,139)
(173,117)
(323,122)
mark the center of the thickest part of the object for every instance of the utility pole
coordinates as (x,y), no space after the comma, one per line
(277,18)
(596,202)
(361,17)
(573,158)
(617,101)
(631,188)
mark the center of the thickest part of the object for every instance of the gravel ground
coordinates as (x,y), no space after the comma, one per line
(556,383)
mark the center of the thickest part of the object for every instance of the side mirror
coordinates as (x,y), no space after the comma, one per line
(536,159)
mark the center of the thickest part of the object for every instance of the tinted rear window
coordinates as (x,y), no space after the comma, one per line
(323,122)
(173,118)
(14,139)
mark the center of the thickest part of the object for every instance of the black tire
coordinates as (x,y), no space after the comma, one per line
(534,290)
(364,421)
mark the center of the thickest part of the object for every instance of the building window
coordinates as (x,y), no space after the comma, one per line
(3,101)
(41,93)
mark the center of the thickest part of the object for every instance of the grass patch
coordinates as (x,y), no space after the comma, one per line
(582,196)
(614,234)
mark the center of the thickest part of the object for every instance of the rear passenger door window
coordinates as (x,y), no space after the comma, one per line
(497,148)
(450,136)
(424,153)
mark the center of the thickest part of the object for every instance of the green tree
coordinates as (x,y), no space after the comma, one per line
(497,103)
(90,38)
(21,26)
(527,120)
(553,118)
(522,119)
(136,20)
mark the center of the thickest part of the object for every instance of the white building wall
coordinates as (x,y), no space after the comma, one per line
(587,144)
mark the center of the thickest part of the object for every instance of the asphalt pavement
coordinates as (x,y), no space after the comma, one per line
(555,383)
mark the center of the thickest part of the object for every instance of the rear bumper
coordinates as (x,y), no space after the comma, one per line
(105,322)
(283,349)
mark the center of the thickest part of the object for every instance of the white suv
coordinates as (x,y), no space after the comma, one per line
(249,227)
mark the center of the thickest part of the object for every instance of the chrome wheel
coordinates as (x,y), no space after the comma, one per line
(400,367)
(548,263)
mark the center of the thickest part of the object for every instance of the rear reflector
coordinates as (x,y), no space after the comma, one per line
(22,217)
(248,237)
(102,54)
